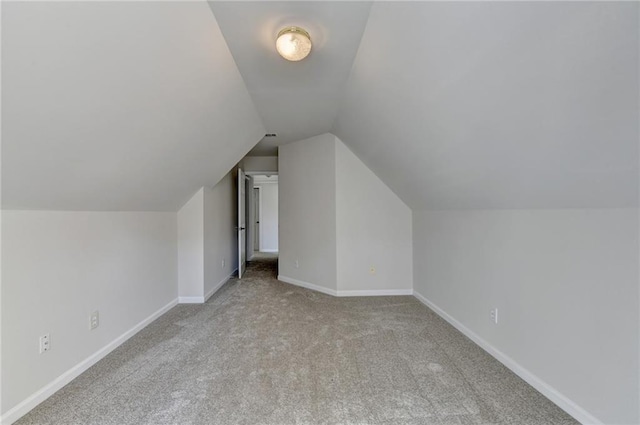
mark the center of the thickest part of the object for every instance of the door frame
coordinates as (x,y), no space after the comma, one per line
(257,217)
(242,214)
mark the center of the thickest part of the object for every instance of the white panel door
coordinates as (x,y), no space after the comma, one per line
(242,225)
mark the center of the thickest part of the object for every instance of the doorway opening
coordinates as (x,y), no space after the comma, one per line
(257,217)
(264,215)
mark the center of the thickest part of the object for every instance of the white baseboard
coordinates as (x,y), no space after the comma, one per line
(375,293)
(308,285)
(218,286)
(547,390)
(190,300)
(363,293)
(268,250)
(47,391)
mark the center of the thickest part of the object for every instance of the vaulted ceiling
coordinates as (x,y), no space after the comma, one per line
(118,105)
(296,100)
(135,105)
(498,104)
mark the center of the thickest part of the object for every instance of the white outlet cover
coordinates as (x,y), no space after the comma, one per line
(94,320)
(45,344)
(494,315)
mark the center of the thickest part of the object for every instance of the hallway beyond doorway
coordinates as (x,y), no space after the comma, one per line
(262,214)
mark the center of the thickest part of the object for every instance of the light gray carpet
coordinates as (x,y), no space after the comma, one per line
(264,352)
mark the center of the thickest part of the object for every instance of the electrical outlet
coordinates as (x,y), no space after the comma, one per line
(94,320)
(372,270)
(223,262)
(297,265)
(494,315)
(45,344)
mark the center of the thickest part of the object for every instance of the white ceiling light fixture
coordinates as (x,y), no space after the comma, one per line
(293,43)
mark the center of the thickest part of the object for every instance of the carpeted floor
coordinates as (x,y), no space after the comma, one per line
(265,352)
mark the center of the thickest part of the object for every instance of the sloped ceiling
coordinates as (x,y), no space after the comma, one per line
(118,105)
(135,105)
(498,104)
(296,100)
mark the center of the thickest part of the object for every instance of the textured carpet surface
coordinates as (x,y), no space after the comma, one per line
(265,352)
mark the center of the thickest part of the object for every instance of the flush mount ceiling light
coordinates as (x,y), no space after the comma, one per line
(293,43)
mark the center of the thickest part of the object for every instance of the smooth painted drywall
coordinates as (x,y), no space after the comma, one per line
(131,106)
(268,216)
(307,209)
(191,248)
(220,237)
(374,250)
(498,104)
(259,164)
(300,100)
(339,220)
(58,267)
(566,286)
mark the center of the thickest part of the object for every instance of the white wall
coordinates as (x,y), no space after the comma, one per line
(220,237)
(373,231)
(191,249)
(206,237)
(498,105)
(259,163)
(163,107)
(268,215)
(58,267)
(307,205)
(339,220)
(566,286)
